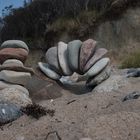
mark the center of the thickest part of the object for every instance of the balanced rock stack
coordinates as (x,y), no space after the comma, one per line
(84,58)
(13,79)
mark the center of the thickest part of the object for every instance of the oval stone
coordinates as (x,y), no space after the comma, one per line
(14,77)
(98,67)
(46,69)
(73,54)
(17,69)
(99,53)
(4,85)
(87,50)
(9,112)
(13,53)
(12,62)
(102,76)
(63,58)
(14,44)
(15,96)
(52,59)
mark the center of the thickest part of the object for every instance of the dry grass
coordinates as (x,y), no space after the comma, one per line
(131,61)
(63,24)
(76,25)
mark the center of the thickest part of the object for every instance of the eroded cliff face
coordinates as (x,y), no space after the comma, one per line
(122,32)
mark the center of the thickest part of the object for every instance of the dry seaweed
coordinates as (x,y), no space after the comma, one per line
(37,111)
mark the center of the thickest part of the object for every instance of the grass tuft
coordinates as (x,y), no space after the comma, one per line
(131,61)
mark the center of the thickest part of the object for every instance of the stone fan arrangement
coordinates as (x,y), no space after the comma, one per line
(84,58)
(13,79)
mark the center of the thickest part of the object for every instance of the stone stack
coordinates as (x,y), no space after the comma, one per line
(13,79)
(84,58)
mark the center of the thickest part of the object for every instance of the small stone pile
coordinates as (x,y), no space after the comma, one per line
(13,79)
(84,58)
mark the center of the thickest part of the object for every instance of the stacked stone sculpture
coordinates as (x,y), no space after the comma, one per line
(84,58)
(13,79)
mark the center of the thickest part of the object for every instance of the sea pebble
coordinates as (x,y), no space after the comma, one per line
(63,60)
(98,67)
(15,96)
(9,112)
(14,77)
(99,53)
(73,54)
(12,62)
(102,76)
(47,70)
(52,59)
(4,85)
(95,69)
(17,69)
(13,53)
(14,44)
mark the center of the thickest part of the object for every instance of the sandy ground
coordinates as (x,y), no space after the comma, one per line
(98,116)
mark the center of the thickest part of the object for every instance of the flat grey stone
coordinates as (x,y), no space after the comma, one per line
(14,77)
(95,69)
(52,59)
(14,44)
(12,62)
(46,69)
(73,54)
(102,76)
(9,112)
(99,53)
(98,67)
(63,58)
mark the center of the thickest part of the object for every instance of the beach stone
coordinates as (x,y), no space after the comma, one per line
(94,70)
(131,96)
(13,53)
(4,85)
(133,73)
(105,74)
(15,96)
(63,58)
(9,112)
(14,77)
(52,59)
(14,44)
(99,53)
(17,69)
(47,70)
(98,67)
(87,50)
(13,62)
(73,54)
(114,82)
